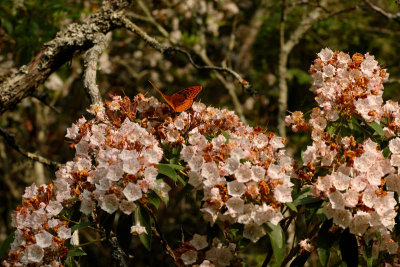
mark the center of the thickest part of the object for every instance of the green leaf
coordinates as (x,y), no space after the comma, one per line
(154,199)
(173,166)
(143,218)
(377,128)
(226,135)
(291,206)
(305,197)
(169,171)
(325,240)
(277,239)
(80,225)
(5,246)
(76,252)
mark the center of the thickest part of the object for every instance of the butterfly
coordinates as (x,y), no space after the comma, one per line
(181,100)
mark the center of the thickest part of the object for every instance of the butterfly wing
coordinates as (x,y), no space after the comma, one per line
(183,99)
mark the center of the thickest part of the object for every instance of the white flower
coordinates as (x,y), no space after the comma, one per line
(394,145)
(132,192)
(127,207)
(195,178)
(325,55)
(138,229)
(199,241)
(243,173)
(189,257)
(231,164)
(110,203)
(283,193)
(44,239)
(253,232)
(34,253)
(64,232)
(196,162)
(210,170)
(235,205)
(235,188)
(258,173)
(340,181)
(54,207)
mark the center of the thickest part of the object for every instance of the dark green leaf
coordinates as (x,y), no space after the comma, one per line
(325,240)
(277,239)
(169,171)
(377,128)
(154,199)
(5,246)
(291,206)
(142,216)
(226,135)
(76,252)
(80,225)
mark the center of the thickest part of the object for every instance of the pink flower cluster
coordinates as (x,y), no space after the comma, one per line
(348,85)
(115,164)
(197,251)
(39,235)
(359,185)
(243,173)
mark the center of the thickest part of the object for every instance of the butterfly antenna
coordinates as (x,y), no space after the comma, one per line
(155,87)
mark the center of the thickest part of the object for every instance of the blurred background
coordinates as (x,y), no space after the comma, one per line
(246,36)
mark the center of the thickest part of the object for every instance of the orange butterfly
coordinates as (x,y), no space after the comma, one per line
(181,100)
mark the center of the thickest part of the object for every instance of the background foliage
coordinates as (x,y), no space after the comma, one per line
(25,26)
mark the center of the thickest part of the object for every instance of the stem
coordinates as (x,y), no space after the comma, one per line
(158,233)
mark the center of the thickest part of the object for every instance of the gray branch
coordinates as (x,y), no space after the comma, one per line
(74,39)
(389,16)
(10,140)
(91,61)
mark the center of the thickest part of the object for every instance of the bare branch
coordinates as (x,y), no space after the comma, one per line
(393,81)
(75,38)
(389,16)
(10,140)
(117,253)
(42,97)
(160,236)
(91,61)
(168,49)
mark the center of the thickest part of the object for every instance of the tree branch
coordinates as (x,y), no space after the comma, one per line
(389,16)
(117,253)
(10,140)
(74,39)
(158,233)
(91,61)
(164,49)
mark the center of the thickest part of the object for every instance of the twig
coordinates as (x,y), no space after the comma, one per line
(164,49)
(393,81)
(41,96)
(158,233)
(293,252)
(91,61)
(389,16)
(117,253)
(10,140)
